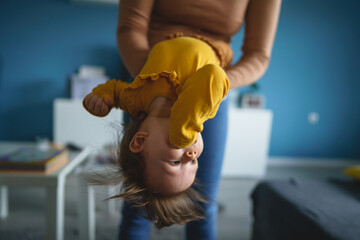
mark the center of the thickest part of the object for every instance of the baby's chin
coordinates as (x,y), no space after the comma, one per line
(170,188)
(173,191)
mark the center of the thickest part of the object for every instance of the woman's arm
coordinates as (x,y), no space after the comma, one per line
(133,22)
(260,28)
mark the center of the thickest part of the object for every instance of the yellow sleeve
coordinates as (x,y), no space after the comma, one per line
(111,89)
(199,100)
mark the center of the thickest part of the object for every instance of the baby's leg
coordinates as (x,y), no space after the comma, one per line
(199,99)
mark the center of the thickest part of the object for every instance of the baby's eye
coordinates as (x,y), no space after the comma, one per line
(194,161)
(175,163)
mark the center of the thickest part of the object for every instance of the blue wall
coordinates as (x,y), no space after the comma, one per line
(314,67)
(41,44)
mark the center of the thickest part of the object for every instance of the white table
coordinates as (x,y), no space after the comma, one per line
(54,184)
(71,123)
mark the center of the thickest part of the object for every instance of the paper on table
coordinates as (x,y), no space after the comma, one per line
(81,86)
(91,71)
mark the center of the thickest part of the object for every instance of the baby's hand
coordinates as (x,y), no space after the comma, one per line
(97,105)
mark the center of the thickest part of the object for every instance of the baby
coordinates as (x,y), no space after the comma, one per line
(180,86)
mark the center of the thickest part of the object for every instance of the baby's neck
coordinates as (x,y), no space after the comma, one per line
(160,107)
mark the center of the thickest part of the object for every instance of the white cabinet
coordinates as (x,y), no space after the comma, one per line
(73,124)
(247,142)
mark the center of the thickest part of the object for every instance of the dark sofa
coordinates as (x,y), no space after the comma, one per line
(306,209)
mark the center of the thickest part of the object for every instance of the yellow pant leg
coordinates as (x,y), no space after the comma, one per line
(199,100)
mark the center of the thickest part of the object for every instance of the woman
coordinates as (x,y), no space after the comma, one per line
(142,23)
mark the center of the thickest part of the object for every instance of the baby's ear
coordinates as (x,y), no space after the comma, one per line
(137,142)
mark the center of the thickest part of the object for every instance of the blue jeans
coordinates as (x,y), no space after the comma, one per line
(135,227)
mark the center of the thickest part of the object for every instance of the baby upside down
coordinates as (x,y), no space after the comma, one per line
(179,88)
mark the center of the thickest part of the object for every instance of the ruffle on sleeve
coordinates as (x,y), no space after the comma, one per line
(130,98)
(171,77)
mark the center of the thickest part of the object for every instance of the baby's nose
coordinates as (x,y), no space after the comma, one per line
(191,154)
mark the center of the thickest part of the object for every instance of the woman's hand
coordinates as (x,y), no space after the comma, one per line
(97,105)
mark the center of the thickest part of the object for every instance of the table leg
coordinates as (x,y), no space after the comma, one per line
(86,210)
(55,211)
(4,206)
(111,204)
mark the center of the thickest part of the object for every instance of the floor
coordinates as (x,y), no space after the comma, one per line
(26,218)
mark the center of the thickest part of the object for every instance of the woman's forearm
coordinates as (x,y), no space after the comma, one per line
(133,55)
(260,29)
(248,70)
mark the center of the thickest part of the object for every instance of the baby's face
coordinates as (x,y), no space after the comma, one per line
(169,170)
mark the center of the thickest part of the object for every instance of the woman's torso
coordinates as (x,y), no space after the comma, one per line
(215,19)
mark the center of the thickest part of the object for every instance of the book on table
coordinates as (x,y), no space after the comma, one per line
(34,160)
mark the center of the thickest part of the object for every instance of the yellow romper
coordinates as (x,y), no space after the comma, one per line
(184,69)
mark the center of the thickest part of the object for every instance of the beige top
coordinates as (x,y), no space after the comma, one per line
(142,23)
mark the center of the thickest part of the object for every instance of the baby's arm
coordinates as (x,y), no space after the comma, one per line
(104,97)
